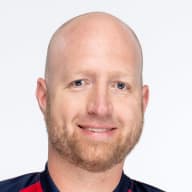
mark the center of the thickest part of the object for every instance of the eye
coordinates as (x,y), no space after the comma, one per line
(120,86)
(78,83)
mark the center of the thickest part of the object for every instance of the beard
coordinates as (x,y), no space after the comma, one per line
(93,156)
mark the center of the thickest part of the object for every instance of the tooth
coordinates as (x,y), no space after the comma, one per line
(99,130)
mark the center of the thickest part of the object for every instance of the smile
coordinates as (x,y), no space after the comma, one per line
(97,130)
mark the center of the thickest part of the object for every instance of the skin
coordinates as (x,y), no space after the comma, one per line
(93,101)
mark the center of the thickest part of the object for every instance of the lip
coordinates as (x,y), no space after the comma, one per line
(97,131)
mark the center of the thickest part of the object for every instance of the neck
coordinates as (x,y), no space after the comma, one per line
(68,177)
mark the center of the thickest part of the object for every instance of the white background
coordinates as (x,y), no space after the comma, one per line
(163,157)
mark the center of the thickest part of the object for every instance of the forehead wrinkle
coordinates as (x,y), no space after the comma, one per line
(83,28)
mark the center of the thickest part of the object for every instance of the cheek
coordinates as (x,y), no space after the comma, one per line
(128,110)
(68,106)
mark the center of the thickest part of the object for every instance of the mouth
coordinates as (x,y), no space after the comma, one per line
(97,131)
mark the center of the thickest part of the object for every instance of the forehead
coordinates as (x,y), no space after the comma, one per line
(98,66)
(99,57)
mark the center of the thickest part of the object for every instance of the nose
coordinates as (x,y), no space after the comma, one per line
(99,102)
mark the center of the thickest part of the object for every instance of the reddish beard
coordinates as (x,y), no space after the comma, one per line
(94,156)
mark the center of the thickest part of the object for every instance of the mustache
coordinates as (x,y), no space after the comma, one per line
(97,120)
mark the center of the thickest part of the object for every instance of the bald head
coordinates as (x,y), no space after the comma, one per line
(97,31)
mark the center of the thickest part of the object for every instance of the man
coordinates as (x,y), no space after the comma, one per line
(93,102)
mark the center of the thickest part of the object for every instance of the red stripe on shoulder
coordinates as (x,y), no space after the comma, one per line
(36,187)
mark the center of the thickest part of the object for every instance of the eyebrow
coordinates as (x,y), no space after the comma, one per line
(116,75)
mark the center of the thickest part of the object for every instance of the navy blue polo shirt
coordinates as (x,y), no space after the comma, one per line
(48,185)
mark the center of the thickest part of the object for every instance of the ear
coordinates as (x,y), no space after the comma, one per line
(41,94)
(145,96)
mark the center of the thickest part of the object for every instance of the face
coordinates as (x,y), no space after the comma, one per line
(94,109)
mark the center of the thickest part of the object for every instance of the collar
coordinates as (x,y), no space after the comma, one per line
(47,182)
(125,184)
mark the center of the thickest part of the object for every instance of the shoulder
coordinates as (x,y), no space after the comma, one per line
(138,186)
(18,183)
